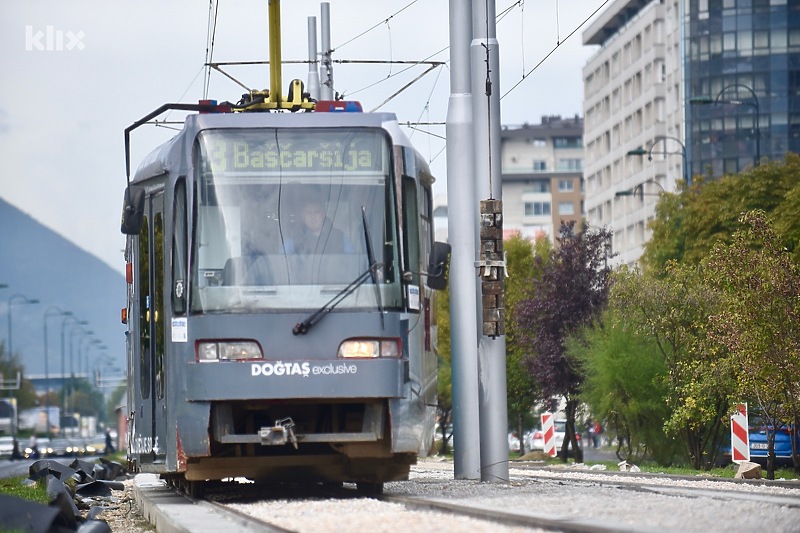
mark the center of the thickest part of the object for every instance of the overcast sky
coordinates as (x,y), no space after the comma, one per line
(76,73)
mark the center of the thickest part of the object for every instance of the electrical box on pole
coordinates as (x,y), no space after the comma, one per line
(492,268)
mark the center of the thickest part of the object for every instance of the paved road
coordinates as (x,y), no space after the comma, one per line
(591,454)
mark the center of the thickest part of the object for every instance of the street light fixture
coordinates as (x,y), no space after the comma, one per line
(640,187)
(664,138)
(707,100)
(640,152)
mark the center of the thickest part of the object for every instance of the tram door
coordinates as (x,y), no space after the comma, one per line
(151,423)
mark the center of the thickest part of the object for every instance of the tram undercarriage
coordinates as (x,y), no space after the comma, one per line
(296,440)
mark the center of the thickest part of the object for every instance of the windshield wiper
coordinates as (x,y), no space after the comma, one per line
(372,262)
(301,328)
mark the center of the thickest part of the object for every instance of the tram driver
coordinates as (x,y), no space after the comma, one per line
(317,233)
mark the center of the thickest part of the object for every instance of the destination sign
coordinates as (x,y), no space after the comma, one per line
(271,151)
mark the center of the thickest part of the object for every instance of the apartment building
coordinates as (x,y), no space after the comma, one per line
(633,113)
(542,175)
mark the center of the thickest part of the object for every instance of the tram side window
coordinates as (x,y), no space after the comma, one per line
(179,252)
(411,225)
(144,309)
(158,264)
(426,223)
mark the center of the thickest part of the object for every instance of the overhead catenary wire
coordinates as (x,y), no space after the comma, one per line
(384,21)
(211,33)
(559,42)
(213,13)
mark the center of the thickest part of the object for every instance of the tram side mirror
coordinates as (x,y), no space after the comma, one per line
(132,210)
(439,266)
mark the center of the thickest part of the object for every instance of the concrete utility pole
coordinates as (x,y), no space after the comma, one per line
(485,55)
(325,66)
(461,215)
(313,73)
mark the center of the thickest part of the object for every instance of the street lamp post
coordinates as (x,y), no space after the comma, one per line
(707,100)
(11,302)
(71,383)
(664,138)
(86,336)
(48,314)
(76,322)
(83,359)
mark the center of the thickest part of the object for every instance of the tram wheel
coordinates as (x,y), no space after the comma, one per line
(192,488)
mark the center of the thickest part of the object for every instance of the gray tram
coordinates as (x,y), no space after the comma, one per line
(280,269)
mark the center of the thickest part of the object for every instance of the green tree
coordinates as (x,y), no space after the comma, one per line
(10,366)
(760,321)
(689,223)
(673,312)
(87,400)
(444,408)
(571,293)
(626,386)
(526,261)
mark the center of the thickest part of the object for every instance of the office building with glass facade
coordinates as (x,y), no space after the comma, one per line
(742,82)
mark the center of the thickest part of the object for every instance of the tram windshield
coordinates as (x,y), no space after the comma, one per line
(281,217)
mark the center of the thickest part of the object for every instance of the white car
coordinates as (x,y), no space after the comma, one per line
(534,440)
(6,445)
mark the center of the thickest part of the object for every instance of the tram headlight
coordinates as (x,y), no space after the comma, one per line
(228,351)
(369,348)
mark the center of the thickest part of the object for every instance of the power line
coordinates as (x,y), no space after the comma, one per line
(385,21)
(558,44)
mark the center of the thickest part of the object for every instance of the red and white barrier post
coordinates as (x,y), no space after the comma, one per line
(740,436)
(548,434)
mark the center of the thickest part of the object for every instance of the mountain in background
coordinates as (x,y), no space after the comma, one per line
(37,263)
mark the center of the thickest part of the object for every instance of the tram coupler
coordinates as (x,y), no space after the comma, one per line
(279,434)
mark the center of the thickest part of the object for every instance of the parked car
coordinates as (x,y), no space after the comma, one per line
(6,446)
(759,432)
(513,442)
(534,440)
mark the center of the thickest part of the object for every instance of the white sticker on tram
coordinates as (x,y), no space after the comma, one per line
(180,329)
(413,297)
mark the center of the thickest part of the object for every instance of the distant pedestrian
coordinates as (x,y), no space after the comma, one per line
(597,431)
(109,443)
(34,446)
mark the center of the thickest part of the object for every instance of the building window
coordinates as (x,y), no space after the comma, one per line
(566,208)
(565,186)
(537,209)
(571,164)
(567,142)
(539,165)
(538,186)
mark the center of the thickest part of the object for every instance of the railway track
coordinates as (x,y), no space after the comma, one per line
(535,499)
